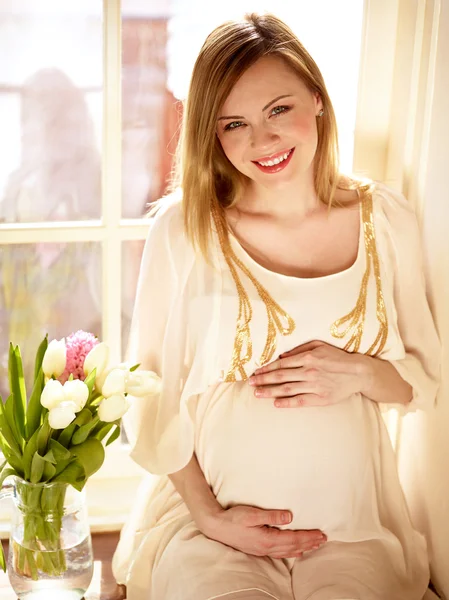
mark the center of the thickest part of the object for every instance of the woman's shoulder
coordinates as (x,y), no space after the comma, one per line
(167,232)
(393,208)
(393,214)
(396,226)
(390,199)
(387,202)
(166,215)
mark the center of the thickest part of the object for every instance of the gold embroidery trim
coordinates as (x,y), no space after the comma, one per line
(355,319)
(278,320)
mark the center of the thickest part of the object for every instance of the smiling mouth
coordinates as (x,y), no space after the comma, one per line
(276,163)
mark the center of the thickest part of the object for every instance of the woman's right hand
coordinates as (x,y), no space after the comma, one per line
(255,531)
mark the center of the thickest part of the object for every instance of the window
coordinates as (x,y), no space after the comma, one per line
(89,112)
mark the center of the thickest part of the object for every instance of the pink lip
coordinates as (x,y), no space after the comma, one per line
(275,168)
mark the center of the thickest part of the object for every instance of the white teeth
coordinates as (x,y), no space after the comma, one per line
(276,161)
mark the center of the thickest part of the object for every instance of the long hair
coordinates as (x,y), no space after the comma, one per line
(208,180)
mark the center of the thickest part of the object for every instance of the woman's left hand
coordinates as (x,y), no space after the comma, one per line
(313,374)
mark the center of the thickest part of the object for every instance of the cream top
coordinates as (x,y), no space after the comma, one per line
(184,321)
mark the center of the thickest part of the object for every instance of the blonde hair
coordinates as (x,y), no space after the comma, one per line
(208,180)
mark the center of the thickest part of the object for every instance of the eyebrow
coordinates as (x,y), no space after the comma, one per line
(263,109)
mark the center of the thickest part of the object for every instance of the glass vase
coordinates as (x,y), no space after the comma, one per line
(50,547)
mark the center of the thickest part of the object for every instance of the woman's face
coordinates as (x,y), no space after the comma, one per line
(267,125)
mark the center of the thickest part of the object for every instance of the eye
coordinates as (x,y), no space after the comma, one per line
(278,110)
(233,125)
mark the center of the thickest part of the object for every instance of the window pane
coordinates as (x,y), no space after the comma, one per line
(50,110)
(46,288)
(132,255)
(146,109)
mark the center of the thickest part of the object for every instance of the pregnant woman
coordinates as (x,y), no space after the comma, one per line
(282,303)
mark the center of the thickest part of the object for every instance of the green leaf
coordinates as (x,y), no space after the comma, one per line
(59,452)
(82,418)
(9,410)
(2,558)
(28,453)
(74,474)
(35,408)
(13,459)
(17,387)
(103,431)
(90,454)
(8,434)
(66,434)
(40,356)
(37,468)
(49,471)
(63,464)
(134,368)
(49,457)
(7,473)
(114,435)
(83,432)
(44,436)
(90,380)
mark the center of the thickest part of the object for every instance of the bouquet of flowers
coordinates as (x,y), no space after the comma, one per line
(59,434)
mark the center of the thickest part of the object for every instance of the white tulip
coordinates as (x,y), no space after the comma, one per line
(55,357)
(113,408)
(77,392)
(100,379)
(114,383)
(143,383)
(97,358)
(61,416)
(52,394)
(124,366)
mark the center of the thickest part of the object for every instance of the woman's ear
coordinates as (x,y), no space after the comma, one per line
(318,102)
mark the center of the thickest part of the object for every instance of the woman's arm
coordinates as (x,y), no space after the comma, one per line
(245,528)
(381,382)
(196,493)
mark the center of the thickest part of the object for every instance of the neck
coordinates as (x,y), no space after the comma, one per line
(297,199)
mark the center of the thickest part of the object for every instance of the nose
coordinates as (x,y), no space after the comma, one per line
(263,138)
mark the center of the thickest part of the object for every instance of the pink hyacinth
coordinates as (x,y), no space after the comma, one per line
(78,346)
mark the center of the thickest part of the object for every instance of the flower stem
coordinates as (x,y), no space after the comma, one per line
(43,510)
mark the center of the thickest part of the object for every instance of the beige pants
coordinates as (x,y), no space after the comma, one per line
(193,567)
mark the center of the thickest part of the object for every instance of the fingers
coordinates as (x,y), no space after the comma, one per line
(303,348)
(299,359)
(274,518)
(302,400)
(285,390)
(283,376)
(305,390)
(280,544)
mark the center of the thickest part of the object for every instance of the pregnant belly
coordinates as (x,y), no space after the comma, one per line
(312,461)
